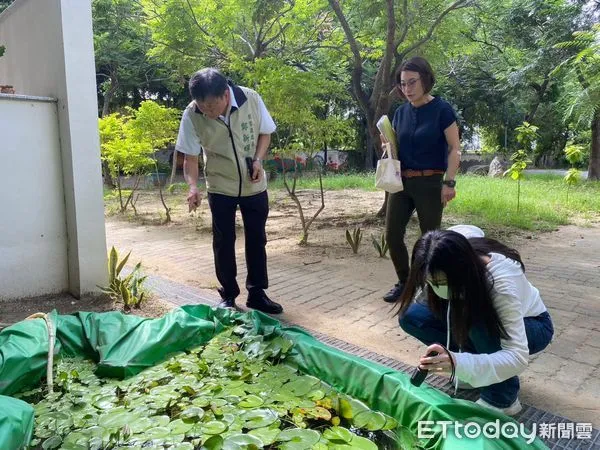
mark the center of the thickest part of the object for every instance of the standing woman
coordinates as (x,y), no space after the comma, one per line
(429,151)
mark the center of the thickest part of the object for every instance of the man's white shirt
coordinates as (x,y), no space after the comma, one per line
(188,141)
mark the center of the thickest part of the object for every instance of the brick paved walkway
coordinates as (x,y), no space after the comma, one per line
(329,296)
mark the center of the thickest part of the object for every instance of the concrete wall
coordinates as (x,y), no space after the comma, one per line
(49,52)
(33,237)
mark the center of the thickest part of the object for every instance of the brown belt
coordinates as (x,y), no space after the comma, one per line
(409,173)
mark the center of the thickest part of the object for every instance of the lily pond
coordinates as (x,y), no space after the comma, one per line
(236,392)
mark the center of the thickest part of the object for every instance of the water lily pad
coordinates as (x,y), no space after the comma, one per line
(230,418)
(201,402)
(242,441)
(339,435)
(361,443)
(52,443)
(350,407)
(160,421)
(297,439)
(213,443)
(370,420)
(192,414)
(266,435)
(390,423)
(251,401)
(178,426)
(284,397)
(316,395)
(74,446)
(157,433)
(139,425)
(214,427)
(182,446)
(302,385)
(76,439)
(259,418)
(233,399)
(116,418)
(104,401)
(218,402)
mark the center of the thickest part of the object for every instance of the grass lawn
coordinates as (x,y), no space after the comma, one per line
(492,202)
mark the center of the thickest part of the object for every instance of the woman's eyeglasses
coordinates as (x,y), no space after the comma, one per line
(409,83)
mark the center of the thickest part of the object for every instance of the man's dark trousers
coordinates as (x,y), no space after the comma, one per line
(255,210)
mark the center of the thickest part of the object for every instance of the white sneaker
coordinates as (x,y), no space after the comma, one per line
(511,410)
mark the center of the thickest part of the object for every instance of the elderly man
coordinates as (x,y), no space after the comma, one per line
(233,128)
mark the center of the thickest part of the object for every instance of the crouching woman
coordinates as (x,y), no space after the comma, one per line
(479,302)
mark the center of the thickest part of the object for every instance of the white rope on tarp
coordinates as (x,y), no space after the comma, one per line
(51,340)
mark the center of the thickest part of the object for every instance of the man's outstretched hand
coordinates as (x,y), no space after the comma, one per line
(194,199)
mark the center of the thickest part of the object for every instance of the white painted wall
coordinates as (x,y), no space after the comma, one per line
(33,230)
(49,52)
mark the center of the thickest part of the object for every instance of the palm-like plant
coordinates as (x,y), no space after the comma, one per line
(582,95)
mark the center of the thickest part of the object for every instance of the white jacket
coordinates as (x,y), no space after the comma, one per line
(514,298)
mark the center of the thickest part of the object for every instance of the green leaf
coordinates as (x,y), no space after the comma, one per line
(345,409)
(214,427)
(178,426)
(251,401)
(361,443)
(370,420)
(52,443)
(243,441)
(297,438)
(122,263)
(390,423)
(213,443)
(266,435)
(157,433)
(183,446)
(116,418)
(338,435)
(192,414)
(259,418)
(112,265)
(405,438)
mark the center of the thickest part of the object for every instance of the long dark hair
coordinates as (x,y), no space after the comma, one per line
(469,283)
(484,246)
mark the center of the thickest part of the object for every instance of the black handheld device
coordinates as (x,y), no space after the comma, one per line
(249,164)
(419,374)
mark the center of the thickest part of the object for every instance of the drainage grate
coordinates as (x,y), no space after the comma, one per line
(181,294)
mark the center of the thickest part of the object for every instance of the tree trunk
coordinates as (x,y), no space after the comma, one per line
(594,167)
(108,95)
(540,91)
(108,181)
(174,167)
(370,147)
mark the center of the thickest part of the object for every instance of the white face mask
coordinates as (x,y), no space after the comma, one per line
(441,290)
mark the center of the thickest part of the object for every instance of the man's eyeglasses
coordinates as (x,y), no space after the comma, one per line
(410,83)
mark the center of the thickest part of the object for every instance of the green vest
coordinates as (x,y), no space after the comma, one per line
(225,148)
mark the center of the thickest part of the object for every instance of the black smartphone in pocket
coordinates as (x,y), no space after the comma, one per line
(249,164)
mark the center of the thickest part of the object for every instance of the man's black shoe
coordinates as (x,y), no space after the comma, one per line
(394,293)
(261,302)
(227,303)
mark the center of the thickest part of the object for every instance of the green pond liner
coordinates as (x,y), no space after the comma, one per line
(123,345)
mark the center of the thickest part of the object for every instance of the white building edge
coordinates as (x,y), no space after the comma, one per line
(52,233)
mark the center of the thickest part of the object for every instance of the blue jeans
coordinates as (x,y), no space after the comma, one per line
(420,322)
